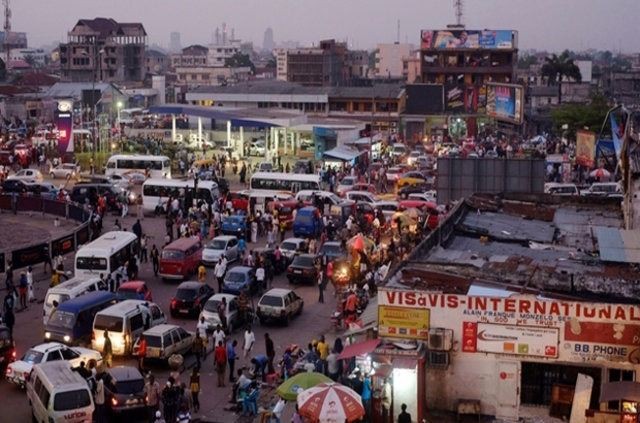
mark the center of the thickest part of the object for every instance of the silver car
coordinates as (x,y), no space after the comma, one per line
(65,171)
(226,245)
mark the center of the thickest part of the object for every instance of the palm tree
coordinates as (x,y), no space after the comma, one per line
(557,68)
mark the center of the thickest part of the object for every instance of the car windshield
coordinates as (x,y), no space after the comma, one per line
(58,298)
(172,254)
(332,250)
(128,387)
(212,306)
(128,294)
(91,263)
(234,277)
(62,319)
(71,400)
(303,261)
(271,300)
(186,294)
(217,244)
(347,181)
(154,341)
(288,246)
(110,323)
(33,357)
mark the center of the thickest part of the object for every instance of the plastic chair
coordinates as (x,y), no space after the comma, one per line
(250,403)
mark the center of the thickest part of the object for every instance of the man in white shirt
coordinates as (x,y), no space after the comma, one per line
(249,340)
(219,336)
(219,272)
(260,276)
(201,329)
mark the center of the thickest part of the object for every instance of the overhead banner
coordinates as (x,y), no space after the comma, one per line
(471,39)
(505,102)
(64,122)
(585,148)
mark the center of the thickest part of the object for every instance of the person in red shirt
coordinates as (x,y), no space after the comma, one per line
(220,361)
(350,306)
(142,353)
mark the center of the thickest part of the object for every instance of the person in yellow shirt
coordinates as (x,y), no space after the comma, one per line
(323,352)
(55,278)
(202,273)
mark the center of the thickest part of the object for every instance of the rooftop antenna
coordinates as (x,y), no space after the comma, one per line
(398,33)
(457,4)
(7,31)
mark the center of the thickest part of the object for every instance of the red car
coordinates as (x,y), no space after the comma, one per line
(239,201)
(134,290)
(416,204)
(180,258)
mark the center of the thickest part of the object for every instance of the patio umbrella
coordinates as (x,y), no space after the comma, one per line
(290,389)
(330,403)
(600,173)
(360,242)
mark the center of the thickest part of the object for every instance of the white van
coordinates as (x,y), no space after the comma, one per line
(58,394)
(106,255)
(125,322)
(72,288)
(306,196)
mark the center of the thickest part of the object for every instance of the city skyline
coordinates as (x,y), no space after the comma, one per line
(362,24)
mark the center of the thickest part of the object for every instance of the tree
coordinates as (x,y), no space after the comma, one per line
(526,61)
(579,116)
(557,68)
(31,60)
(239,60)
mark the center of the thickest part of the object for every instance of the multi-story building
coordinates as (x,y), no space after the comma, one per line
(105,50)
(14,40)
(220,52)
(357,64)
(411,67)
(315,66)
(192,56)
(36,57)
(623,87)
(389,59)
(281,63)
(155,62)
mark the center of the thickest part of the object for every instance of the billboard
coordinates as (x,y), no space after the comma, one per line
(401,322)
(511,339)
(29,256)
(454,98)
(585,148)
(471,39)
(505,102)
(64,123)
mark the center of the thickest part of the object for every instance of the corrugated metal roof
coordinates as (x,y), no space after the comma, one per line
(343,153)
(618,245)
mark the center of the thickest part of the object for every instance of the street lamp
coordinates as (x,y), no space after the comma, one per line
(119,106)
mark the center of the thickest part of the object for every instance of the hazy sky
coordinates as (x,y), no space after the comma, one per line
(542,24)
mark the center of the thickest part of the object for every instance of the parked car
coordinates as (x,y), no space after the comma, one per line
(180,258)
(413,157)
(124,391)
(234,225)
(393,173)
(265,167)
(83,191)
(224,245)
(14,185)
(165,340)
(28,175)
(134,290)
(388,208)
(333,250)
(563,190)
(292,246)
(411,178)
(18,371)
(65,171)
(365,196)
(603,189)
(398,150)
(429,196)
(346,184)
(302,269)
(308,222)
(43,189)
(407,190)
(190,298)
(279,304)
(257,148)
(7,347)
(212,319)
(238,279)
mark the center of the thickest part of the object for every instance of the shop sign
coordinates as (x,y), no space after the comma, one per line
(591,341)
(515,340)
(400,322)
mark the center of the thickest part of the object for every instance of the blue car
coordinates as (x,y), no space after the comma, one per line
(308,223)
(238,279)
(234,225)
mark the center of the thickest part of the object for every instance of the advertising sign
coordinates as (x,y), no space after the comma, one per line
(64,123)
(29,256)
(64,245)
(401,322)
(579,331)
(505,102)
(585,148)
(471,39)
(454,98)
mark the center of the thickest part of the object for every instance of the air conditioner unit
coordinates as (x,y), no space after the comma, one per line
(440,339)
(438,359)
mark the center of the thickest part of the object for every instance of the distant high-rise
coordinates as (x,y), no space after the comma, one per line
(175,45)
(267,43)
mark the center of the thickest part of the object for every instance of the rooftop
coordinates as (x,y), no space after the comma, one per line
(540,245)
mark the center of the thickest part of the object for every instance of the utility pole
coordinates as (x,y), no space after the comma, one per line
(458,5)
(7,32)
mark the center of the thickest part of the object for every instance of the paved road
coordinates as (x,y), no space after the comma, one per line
(313,322)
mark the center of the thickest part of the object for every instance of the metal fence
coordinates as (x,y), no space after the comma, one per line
(43,249)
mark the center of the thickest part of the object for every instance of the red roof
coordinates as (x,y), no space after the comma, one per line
(36,79)
(361,348)
(181,244)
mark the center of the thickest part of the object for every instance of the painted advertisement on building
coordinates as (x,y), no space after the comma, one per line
(471,39)
(523,325)
(585,148)
(505,102)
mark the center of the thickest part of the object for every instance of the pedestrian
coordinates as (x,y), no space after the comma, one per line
(404,417)
(219,272)
(202,273)
(220,360)
(197,347)
(107,349)
(201,330)
(142,352)
(271,352)
(323,353)
(218,335)
(31,296)
(320,285)
(231,358)
(152,395)
(249,340)
(222,314)
(155,259)
(260,275)
(143,249)
(9,276)
(9,319)
(333,368)
(137,229)
(100,413)
(170,400)
(194,386)
(23,287)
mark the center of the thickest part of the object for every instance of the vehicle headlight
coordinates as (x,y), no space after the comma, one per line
(67,338)
(47,335)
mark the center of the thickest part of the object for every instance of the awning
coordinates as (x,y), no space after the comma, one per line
(360,348)
(617,391)
(342,153)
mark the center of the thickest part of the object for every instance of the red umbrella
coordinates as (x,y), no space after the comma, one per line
(330,403)
(600,173)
